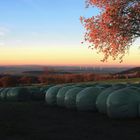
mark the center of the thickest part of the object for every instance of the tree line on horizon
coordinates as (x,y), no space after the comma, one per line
(47,79)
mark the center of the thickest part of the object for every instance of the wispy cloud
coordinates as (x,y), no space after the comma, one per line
(4,31)
(2,43)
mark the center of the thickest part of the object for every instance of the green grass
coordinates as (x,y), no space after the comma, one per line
(115,81)
(132,80)
(112,81)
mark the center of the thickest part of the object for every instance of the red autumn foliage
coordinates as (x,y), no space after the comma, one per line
(69,78)
(28,80)
(8,81)
(113,31)
(11,81)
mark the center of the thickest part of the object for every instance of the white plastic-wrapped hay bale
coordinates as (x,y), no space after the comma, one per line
(45,88)
(102,98)
(18,94)
(51,94)
(103,85)
(70,97)
(135,88)
(1,89)
(69,84)
(86,99)
(61,95)
(36,94)
(3,94)
(123,103)
(119,85)
(135,85)
(84,85)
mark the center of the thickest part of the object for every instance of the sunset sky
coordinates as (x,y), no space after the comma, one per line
(49,32)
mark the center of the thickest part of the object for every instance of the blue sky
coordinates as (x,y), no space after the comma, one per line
(45,22)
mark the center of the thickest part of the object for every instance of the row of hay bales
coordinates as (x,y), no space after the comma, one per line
(28,93)
(33,93)
(14,94)
(117,101)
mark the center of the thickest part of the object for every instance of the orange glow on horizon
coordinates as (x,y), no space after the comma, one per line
(61,55)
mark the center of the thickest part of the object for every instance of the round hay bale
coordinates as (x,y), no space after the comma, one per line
(18,94)
(45,88)
(103,85)
(69,84)
(51,94)
(123,103)
(135,88)
(61,95)
(84,85)
(1,89)
(70,97)
(119,85)
(36,94)
(3,94)
(134,84)
(102,98)
(86,99)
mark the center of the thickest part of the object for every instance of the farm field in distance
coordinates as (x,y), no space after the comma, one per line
(115,81)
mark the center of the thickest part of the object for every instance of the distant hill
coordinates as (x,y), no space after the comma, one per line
(130,71)
(40,69)
(14,70)
(43,72)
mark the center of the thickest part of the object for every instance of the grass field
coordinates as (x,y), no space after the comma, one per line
(114,81)
(37,121)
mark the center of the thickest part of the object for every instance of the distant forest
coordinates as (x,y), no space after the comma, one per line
(53,77)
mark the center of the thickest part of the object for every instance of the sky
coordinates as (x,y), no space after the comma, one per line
(49,32)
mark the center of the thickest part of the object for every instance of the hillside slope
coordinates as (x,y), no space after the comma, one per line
(130,71)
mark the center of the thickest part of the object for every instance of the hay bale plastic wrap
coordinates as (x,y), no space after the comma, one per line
(135,85)
(3,94)
(51,94)
(86,99)
(119,85)
(70,97)
(61,95)
(135,88)
(45,88)
(102,98)
(103,85)
(123,103)
(18,94)
(36,94)
(1,89)
(84,85)
(68,84)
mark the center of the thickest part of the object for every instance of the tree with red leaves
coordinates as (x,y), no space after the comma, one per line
(113,31)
